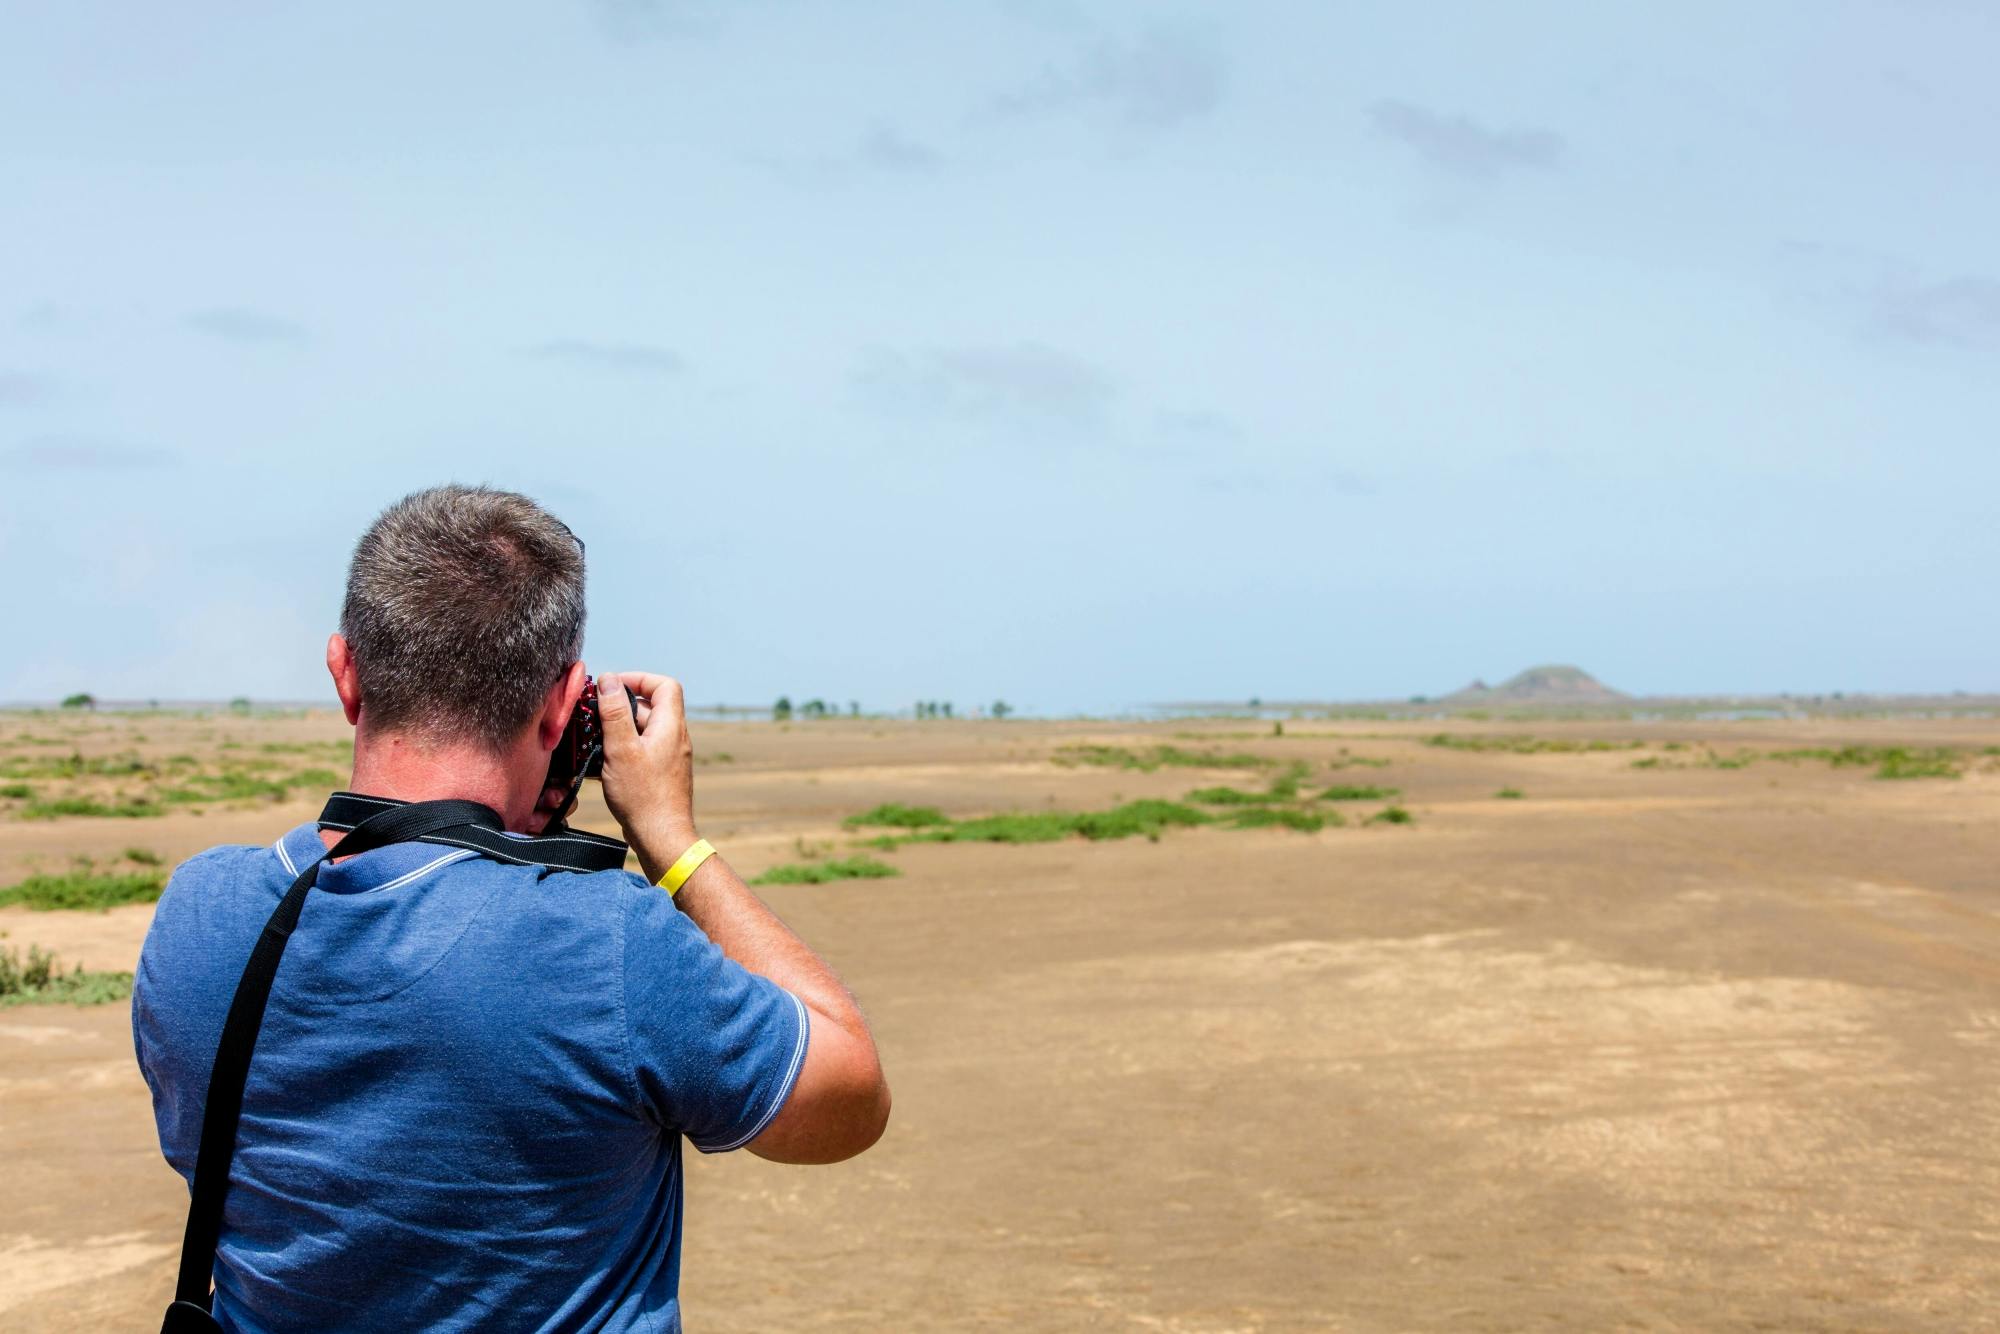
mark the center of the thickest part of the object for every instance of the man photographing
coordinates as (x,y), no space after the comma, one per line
(464,1107)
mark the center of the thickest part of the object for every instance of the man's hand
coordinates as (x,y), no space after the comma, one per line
(648,765)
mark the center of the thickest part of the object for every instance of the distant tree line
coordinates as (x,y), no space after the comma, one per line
(783,710)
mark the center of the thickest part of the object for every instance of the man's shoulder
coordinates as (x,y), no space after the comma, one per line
(225,862)
(222,857)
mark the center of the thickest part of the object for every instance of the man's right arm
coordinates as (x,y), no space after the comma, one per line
(839,1105)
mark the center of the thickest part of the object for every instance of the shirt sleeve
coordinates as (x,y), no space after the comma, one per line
(715,1048)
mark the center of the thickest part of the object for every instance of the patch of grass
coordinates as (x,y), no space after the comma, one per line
(1392,815)
(895,815)
(123,808)
(1146,818)
(1011,827)
(1358,792)
(1890,762)
(1510,794)
(39,980)
(1898,763)
(820,873)
(1359,761)
(85,888)
(1225,796)
(1650,762)
(1269,817)
(331,750)
(1158,757)
(1285,787)
(1526,745)
(1141,818)
(143,857)
(1021,827)
(242,783)
(77,765)
(17,792)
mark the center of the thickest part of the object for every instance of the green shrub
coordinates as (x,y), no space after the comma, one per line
(894,815)
(246,782)
(1525,745)
(820,873)
(1225,796)
(1138,817)
(1144,818)
(86,806)
(17,792)
(143,857)
(1030,827)
(1510,794)
(1392,815)
(1891,762)
(332,750)
(1898,763)
(39,980)
(1285,787)
(1358,792)
(78,765)
(1146,761)
(1266,817)
(85,888)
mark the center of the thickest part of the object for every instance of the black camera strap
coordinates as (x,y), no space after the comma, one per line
(559,846)
(372,822)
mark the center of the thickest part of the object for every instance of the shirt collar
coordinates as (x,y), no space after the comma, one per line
(382,868)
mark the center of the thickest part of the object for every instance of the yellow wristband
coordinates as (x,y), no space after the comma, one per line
(677,874)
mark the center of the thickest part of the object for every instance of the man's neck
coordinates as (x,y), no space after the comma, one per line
(392,764)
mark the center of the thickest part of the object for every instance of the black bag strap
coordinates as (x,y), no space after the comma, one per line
(394,823)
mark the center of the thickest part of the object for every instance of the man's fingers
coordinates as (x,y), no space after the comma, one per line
(663,693)
(614,714)
(652,685)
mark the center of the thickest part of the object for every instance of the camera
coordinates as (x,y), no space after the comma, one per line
(580,753)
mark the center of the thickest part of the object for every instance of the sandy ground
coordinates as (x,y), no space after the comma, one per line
(1676,1048)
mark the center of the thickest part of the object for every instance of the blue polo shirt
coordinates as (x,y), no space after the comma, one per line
(467,1101)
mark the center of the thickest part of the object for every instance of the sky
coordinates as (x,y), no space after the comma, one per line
(1081,355)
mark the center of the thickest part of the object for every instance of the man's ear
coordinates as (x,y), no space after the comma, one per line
(346,677)
(559,705)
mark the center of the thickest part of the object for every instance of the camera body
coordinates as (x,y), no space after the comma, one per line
(580,753)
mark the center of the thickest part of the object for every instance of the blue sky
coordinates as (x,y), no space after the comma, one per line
(1077,354)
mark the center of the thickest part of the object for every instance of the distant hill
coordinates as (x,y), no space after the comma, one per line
(1553,684)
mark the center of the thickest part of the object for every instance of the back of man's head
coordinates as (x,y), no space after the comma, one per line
(464,605)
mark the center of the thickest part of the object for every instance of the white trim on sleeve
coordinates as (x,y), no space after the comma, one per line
(784,1090)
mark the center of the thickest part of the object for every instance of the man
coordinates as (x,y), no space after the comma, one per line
(466,1105)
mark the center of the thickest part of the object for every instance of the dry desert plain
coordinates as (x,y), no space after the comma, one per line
(1684,1036)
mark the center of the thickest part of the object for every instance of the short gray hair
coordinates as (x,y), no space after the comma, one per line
(464,605)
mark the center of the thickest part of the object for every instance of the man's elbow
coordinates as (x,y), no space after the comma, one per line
(831,1119)
(857,1123)
(874,1122)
